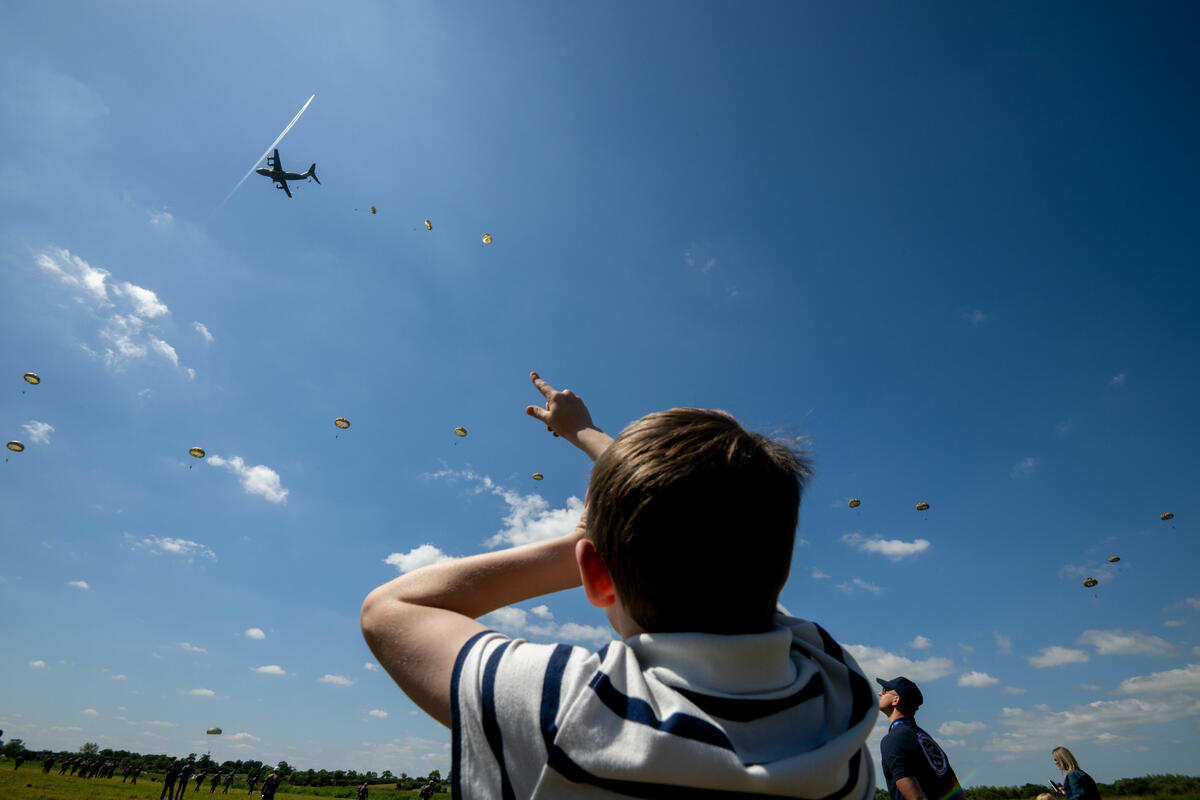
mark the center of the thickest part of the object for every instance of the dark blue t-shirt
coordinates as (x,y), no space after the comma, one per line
(909,752)
(1078,785)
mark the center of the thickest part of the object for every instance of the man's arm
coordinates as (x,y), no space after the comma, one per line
(910,789)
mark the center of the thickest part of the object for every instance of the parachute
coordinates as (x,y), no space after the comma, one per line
(1166,515)
(32,378)
(1090,582)
(15,446)
(428,225)
(1113,559)
(854,502)
(922,506)
(537,476)
(486,238)
(196,452)
(372,209)
(342,423)
(460,431)
(213,731)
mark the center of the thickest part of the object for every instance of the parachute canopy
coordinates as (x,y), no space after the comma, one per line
(486,238)
(1113,559)
(428,225)
(213,731)
(1090,582)
(342,423)
(196,452)
(922,506)
(372,209)
(15,446)
(1166,515)
(854,502)
(460,431)
(537,476)
(32,377)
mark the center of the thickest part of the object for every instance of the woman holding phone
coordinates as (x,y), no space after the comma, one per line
(1077,784)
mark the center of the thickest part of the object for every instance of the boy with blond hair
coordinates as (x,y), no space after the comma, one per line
(711,691)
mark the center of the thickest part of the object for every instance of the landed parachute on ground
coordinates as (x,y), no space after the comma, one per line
(1090,582)
(922,506)
(854,502)
(32,378)
(342,423)
(428,225)
(1166,515)
(486,238)
(537,476)
(460,431)
(213,731)
(15,446)
(196,452)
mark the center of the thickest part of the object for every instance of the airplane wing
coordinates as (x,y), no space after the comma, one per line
(283,185)
(276,164)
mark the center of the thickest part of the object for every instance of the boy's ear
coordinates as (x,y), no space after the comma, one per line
(594,575)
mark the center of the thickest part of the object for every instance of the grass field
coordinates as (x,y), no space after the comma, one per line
(28,783)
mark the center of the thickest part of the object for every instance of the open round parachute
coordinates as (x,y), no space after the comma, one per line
(854,502)
(196,452)
(1166,515)
(428,225)
(372,209)
(15,446)
(922,506)
(460,431)
(1113,559)
(537,476)
(486,238)
(32,378)
(342,423)
(213,731)
(1090,582)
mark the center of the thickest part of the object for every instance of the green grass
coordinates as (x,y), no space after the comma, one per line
(13,786)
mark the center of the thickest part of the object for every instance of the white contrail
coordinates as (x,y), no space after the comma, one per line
(268,152)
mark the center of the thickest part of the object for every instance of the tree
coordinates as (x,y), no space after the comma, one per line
(284,769)
(90,749)
(435,775)
(13,748)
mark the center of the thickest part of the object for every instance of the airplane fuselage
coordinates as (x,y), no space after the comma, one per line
(280,175)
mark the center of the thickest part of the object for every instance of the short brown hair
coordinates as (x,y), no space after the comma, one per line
(695,518)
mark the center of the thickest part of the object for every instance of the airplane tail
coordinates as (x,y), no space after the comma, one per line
(312,173)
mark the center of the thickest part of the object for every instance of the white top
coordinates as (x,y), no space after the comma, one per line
(680,715)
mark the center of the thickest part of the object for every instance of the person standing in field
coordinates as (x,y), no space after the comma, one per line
(228,783)
(172,775)
(914,766)
(270,785)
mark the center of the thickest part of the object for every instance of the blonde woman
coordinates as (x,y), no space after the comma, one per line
(1077,784)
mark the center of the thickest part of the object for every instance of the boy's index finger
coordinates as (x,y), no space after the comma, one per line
(543,387)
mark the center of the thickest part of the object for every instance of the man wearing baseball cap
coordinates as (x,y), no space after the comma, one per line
(914,766)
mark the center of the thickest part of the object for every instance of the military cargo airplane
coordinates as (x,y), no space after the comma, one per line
(276,173)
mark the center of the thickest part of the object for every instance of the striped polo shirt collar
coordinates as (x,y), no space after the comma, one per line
(754,662)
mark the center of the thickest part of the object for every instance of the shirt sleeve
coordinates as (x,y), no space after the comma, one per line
(892,754)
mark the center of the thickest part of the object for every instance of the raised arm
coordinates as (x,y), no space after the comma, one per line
(566,415)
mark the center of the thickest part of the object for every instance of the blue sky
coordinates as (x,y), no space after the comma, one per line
(953,245)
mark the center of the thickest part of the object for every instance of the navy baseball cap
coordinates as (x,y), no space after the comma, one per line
(907,690)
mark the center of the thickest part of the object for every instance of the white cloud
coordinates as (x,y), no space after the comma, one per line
(879,663)
(542,611)
(161,218)
(259,479)
(145,302)
(183,548)
(1119,643)
(977,680)
(191,648)
(1024,468)
(202,329)
(859,583)
(1089,687)
(245,737)
(1186,679)
(120,676)
(593,634)
(529,517)
(37,663)
(817,574)
(1057,656)
(1194,602)
(90,712)
(254,633)
(1118,380)
(378,712)
(420,556)
(165,350)
(954,728)
(79,584)
(1040,728)
(516,622)
(1174,623)
(75,272)
(39,432)
(336,680)
(1003,644)
(895,549)
(920,643)
(201,692)
(1015,690)
(371,666)
(269,669)
(508,618)
(975,317)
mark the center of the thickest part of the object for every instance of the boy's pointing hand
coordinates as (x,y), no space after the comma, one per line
(566,415)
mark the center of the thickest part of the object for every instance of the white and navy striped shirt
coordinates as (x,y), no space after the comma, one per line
(679,715)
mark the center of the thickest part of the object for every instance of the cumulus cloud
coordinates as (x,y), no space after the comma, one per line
(183,548)
(1186,679)
(120,676)
(145,302)
(90,712)
(39,432)
(879,663)
(920,643)
(1003,644)
(202,329)
(1024,468)
(1057,656)
(1118,380)
(73,271)
(200,692)
(420,556)
(529,517)
(515,621)
(1120,643)
(975,317)
(1174,623)
(895,549)
(977,680)
(1194,602)
(336,680)
(254,633)
(817,574)
(191,648)
(79,584)
(954,728)
(859,583)
(269,669)
(245,737)
(371,666)
(165,350)
(163,219)
(542,611)
(259,479)
(1041,729)
(593,634)
(378,712)
(37,663)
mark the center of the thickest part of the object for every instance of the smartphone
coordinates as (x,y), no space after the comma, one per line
(1055,786)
